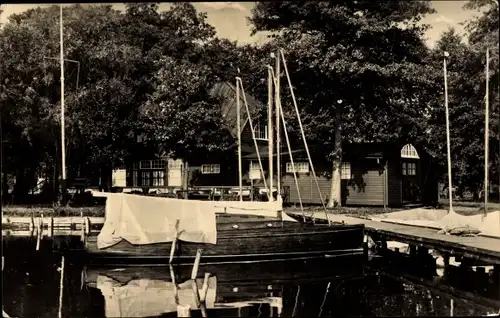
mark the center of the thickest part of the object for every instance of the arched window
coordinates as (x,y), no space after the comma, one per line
(408,151)
(260,130)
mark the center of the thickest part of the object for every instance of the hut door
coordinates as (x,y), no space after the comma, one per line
(411,190)
(410,175)
(174,173)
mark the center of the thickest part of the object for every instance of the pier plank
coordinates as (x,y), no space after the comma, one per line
(477,247)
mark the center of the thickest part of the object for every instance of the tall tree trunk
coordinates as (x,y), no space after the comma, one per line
(335,190)
(5,186)
(21,187)
(55,176)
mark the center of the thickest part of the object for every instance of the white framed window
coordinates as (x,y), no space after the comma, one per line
(210,169)
(145,178)
(152,164)
(174,164)
(409,169)
(300,167)
(345,171)
(260,130)
(158,178)
(408,151)
(254,171)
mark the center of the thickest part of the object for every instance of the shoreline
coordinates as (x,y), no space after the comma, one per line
(99,211)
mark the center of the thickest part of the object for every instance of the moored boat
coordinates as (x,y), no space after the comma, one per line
(150,230)
(174,230)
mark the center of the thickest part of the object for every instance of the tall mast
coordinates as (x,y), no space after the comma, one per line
(63,137)
(270,136)
(447,130)
(486,131)
(238,125)
(278,110)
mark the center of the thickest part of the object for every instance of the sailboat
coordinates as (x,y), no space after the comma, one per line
(141,230)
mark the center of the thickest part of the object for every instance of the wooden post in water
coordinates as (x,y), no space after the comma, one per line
(194,285)
(32,224)
(194,272)
(204,289)
(87,225)
(183,311)
(174,242)
(39,232)
(82,229)
(51,227)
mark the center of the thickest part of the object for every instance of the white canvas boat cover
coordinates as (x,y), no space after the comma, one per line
(150,298)
(147,220)
(488,224)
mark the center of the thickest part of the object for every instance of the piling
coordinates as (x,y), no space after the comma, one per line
(31,224)
(174,243)
(194,272)
(61,287)
(51,227)
(87,225)
(204,289)
(194,285)
(172,277)
(183,311)
(39,233)
(82,229)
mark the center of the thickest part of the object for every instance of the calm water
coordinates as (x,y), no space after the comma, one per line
(31,283)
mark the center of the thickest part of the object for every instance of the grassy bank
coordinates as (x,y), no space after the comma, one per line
(48,211)
(465,208)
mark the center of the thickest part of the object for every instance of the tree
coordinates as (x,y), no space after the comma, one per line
(466,82)
(122,91)
(368,54)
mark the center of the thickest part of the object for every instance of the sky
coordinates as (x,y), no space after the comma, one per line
(229,18)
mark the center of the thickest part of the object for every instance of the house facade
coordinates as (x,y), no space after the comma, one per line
(166,174)
(372,174)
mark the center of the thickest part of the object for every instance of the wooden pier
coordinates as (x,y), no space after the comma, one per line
(476,250)
(50,226)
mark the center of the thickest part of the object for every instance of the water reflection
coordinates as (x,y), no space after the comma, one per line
(300,289)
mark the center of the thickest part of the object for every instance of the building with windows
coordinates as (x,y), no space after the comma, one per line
(167,174)
(372,174)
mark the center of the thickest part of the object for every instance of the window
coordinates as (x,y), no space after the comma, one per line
(408,151)
(174,164)
(254,171)
(260,131)
(345,171)
(300,167)
(158,178)
(145,180)
(409,169)
(152,164)
(210,169)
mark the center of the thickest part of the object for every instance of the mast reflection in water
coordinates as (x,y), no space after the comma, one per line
(31,282)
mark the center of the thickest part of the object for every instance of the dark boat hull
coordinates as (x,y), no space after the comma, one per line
(243,240)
